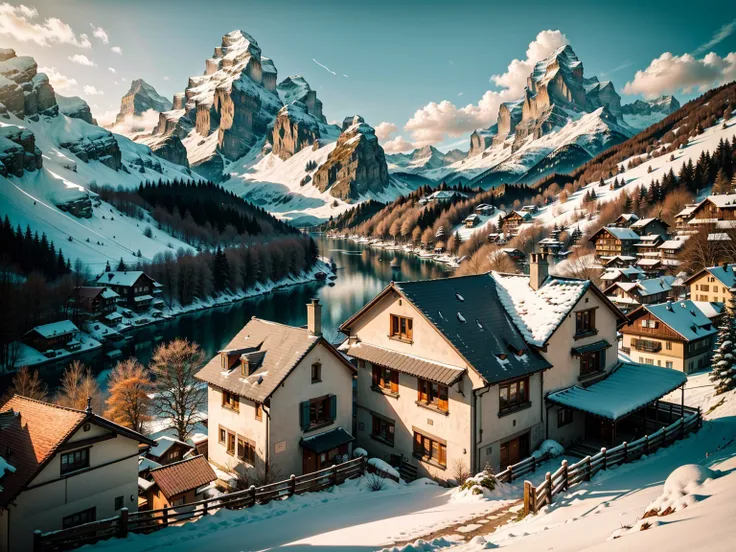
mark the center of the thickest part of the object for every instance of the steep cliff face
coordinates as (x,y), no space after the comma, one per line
(23,91)
(481,139)
(140,98)
(293,130)
(18,151)
(509,115)
(356,166)
(295,89)
(167,146)
(76,108)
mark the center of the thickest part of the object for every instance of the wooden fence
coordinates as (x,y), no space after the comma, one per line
(148,521)
(570,475)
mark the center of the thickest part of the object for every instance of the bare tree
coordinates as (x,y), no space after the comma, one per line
(179,397)
(27,383)
(77,386)
(128,403)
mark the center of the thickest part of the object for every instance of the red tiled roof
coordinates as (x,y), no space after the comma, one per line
(31,432)
(183,476)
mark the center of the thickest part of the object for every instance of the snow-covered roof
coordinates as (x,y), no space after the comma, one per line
(650,286)
(63,327)
(672,244)
(726,274)
(145,463)
(648,262)
(711,310)
(613,273)
(620,233)
(684,317)
(723,200)
(629,387)
(647,239)
(538,313)
(164,443)
(628,217)
(642,223)
(120,278)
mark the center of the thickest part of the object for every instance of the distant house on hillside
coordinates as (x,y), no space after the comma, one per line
(713,284)
(509,223)
(648,226)
(629,295)
(56,335)
(168,450)
(625,220)
(675,334)
(179,483)
(484,209)
(471,221)
(718,210)
(135,288)
(613,275)
(70,467)
(612,241)
(94,302)
(280,399)
(445,196)
(648,246)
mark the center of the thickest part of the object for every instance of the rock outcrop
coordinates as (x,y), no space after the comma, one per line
(140,98)
(356,166)
(167,146)
(76,108)
(293,130)
(295,89)
(18,151)
(481,139)
(23,91)
(96,144)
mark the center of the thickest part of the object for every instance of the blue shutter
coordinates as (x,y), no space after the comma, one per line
(603,359)
(333,407)
(304,415)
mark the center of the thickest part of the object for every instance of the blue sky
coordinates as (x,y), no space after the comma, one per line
(399,56)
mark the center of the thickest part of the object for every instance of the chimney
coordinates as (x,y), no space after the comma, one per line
(314,317)
(538,270)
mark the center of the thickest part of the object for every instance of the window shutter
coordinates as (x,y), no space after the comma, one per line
(304,417)
(603,360)
(376,376)
(333,407)
(394,381)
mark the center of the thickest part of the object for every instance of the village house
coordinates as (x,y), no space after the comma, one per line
(510,222)
(455,371)
(612,241)
(471,221)
(135,288)
(683,217)
(629,274)
(648,226)
(716,210)
(484,209)
(168,450)
(670,251)
(650,266)
(179,483)
(674,334)
(648,246)
(56,335)
(70,467)
(625,220)
(444,196)
(619,261)
(713,284)
(94,302)
(280,400)
(629,295)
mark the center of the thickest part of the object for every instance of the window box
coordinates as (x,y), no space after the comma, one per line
(386,392)
(433,408)
(386,380)
(429,449)
(318,413)
(231,401)
(432,395)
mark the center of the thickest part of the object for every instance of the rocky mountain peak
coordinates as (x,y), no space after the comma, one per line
(141,97)
(296,89)
(23,91)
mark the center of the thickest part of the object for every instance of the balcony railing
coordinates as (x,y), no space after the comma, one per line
(646,346)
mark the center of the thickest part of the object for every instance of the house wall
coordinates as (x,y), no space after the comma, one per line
(44,507)
(286,431)
(157,499)
(565,369)
(567,434)
(708,288)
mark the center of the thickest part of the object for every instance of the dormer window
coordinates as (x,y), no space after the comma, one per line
(245,367)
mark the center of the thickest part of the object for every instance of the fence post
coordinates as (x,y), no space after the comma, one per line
(700,418)
(204,508)
(682,428)
(534,463)
(646,444)
(123,528)
(363,462)
(252,490)
(626,452)
(604,452)
(565,475)
(548,479)
(292,485)
(527,497)
(37,541)
(333,475)
(510,469)
(166,516)
(588,468)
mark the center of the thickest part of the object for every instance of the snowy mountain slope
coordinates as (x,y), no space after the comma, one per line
(423,159)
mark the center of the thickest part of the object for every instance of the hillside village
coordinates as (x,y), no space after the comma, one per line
(528,345)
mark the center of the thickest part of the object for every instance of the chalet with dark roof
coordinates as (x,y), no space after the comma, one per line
(135,288)
(613,241)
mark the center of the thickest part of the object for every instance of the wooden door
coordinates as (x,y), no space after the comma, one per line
(309,461)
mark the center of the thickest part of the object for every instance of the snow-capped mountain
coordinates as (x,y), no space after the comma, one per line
(140,98)
(424,158)
(50,157)
(643,113)
(238,125)
(562,120)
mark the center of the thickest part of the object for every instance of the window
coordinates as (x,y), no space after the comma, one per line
(177,502)
(430,449)
(259,411)
(704,287)
(246,450)
(230,400)
(221,435)
(652,324)
(119,502)
(668,364)
(230,442)
(668,345)
(585,321)
(383,430)
(316,372)
(173,455)
(402,327)
(432,394)
(591,362)
(385,379)
(73,461)
(318,412)
(649,361)
(79,518)
(564,417)
(513,394)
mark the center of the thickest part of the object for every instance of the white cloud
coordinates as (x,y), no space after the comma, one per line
(669,74)
(459,94)
(324,67)
(58,81)
(90,90)
(131,125)
(99,32)
(23,24)
(115,82)
(436,121)
(385,129)
(398,145)
(719,36)
(81,60)
(166,78)
(116,50)
(112,69)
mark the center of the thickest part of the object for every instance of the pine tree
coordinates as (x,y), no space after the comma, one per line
(121,266)
(723,374)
